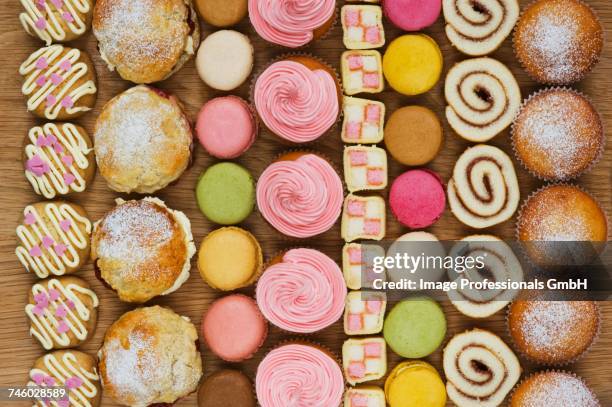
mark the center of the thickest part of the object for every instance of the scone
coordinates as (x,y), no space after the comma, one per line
(59,83)
(150,356)
(56,20)
(142,249)
(62,312)
(143,140)
(145,41)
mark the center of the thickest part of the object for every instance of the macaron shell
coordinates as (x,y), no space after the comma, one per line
(233,328)
(415,384)
(412,15)
(226,387)
(417,198)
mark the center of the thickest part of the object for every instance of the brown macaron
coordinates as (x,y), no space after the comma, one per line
(226,387)
(413,135)
(222,13)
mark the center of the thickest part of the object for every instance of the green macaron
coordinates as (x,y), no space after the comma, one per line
(226,193)
(415,327)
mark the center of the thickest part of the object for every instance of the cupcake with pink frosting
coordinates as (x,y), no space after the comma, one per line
(300,195)
(299,374)
(292,23)
(302,291)
(298,98)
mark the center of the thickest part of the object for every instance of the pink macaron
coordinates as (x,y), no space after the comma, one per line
(417,198)
(226,127)
(233,328)
(412,15)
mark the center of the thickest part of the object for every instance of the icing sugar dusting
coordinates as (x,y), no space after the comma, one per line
(557,389)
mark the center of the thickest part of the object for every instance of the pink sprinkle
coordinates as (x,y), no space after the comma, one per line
(52,139)
(355,62)
(74,382)
(373,113)
(49,381)
(39,310)
(354,255)
(47,242)
(353,130)
(65,225)
(352,17)
(61,311)
(68,160)
(58,3)
(372,35)
(63,327)
(372,349)
(66,65)
(29,218)
(69,178)
(37,166)
(41,80)
(373,306)
(58,148)
(376,176)
(40,4)
(371,80)
(356,369)
(35,251)
(63,403)
(67,16)
(41,23)
(358,158)
(372,227)
(51,100)
(42,141)
(359,400)
(59,249)
(41,299)
(67,102)
(38,378)
(54,294)
(42,63)
(354,322)
(356,208)
(70,304)
(56,79)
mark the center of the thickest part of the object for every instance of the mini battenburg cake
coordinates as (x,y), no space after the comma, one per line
(364,396)
(364,312)
(357,260)
(363,120)
(363,28)
(365,168)
(362,72)
(364,359)
(363,217)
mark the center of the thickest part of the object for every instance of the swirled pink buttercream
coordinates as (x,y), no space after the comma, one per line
(300,198)
(298,375)
(289,23)
(304,293)
(296,103)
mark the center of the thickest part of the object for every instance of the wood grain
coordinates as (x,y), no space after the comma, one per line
(18,351)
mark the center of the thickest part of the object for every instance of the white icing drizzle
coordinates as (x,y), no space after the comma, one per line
(63,370)
(44,327)
(54,55)
(49,262)
(54,20)
(53,183)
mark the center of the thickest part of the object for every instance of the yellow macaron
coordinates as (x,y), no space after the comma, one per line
(415,384)
(412,64)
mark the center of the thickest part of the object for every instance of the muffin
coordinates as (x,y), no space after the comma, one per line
(553,389)
(146,41)
(479,354)
(53,238)
(226,387)
(365,168)
(302,291)
(230,258)
(62,312)
(150,356)
(298,98)
(225,193)
(417,198)
(59,83)
(225,59)
(415,384)
(558,41)
(233,328)
(309,368)
(58,159)
(412,15)
(300,195)
(553,332)
(143,140)
(364,359)
(561,225)
(558,134)
(56,21)
(72,369)
(222,13)
(293,24)
(142,249)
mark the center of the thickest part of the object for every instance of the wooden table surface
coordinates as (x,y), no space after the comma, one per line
(18,351)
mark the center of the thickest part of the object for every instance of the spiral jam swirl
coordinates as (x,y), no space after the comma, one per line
(298,375)
(484,190)
(480,369)
(300,198)
(289,23)
(483,98)
(478,27)
(296,103)
(304,293)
